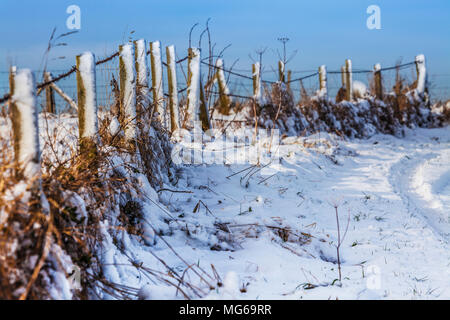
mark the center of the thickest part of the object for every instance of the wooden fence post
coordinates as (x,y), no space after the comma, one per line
(49,95)
(142,88)
(289,77)
(323,91)
(421,73)
(256,75)
(173,91)
(12,72)
(343,76)
(224,92)
(127,74)
(157,81)
(203,115)
(25,125)
(193,84)
(87,105)
(281,67)
(349,79)
(378,81)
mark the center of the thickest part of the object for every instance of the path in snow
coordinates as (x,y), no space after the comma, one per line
(423,180)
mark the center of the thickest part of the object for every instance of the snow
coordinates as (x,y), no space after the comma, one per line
(359,89)
(423,181)
(323,81)
(114,126)
(25,100)
(273,232)
(193,94)
(127,57)
(87,73)
(221,76)
(377,67)
(279,233)
(391,251)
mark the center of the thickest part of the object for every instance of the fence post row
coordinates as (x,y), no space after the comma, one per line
(49,95)
(323,91)
(87,104)
(378,81)
(224,91)
(157,81)
(142,87)
(173,90)
(281,67)
(24,118)
(421,73)
(127,74)
(348,80)
(256,75)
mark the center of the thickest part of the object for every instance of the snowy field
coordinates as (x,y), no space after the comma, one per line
(274,236)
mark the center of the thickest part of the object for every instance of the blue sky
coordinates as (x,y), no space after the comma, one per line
(324,31)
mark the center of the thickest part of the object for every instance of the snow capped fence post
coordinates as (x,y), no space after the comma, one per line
(87,105)
(127,74)
(281,71)
(12,73)
(224,92)
(348,80)
(421,73)
(343,76)
(157,80)
(142,88)
(256,68)
(49,95)
(378,81)
(173,91)
(24,118)
(193,84)
(323,81)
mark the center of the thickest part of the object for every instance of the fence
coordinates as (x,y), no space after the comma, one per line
(87,86)
(239,82)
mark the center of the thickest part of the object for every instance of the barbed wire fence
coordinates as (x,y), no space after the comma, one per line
(240,81)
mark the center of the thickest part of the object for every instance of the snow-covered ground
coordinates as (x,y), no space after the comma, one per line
(396,192)
(271,234)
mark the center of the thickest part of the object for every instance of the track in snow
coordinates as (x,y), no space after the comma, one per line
(423,181)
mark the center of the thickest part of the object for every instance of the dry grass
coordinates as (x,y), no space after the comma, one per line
(60,226)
